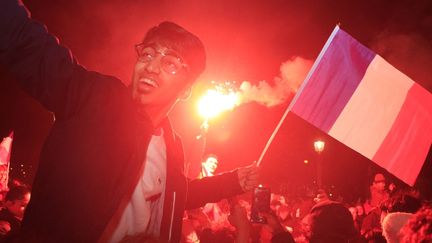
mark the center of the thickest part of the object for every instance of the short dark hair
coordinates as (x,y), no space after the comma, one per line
(331,222)
(17,193)
(188,45)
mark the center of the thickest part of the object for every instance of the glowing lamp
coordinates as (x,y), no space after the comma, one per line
(319,146)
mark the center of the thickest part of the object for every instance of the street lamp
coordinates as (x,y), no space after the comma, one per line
(319,148)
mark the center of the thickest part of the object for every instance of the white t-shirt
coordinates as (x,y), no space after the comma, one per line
(143,214)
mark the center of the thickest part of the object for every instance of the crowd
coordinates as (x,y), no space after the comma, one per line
(388,215)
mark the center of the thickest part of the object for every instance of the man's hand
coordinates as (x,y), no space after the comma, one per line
(248,177)
(273,222)
(238,218)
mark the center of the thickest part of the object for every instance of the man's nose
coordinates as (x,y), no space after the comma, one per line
(154,65)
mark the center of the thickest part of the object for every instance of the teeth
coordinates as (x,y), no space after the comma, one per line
(149,82)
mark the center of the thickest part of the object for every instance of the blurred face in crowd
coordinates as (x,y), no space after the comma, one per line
(306,226)
(379,182)
(17,207)
(380,185)
(210,165)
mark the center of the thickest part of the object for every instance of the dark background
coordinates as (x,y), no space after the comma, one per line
(245,40)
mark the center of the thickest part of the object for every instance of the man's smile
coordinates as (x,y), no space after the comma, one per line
(146,84)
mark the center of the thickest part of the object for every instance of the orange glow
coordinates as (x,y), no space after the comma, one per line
(215,102)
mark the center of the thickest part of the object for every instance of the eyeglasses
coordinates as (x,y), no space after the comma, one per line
(170,63)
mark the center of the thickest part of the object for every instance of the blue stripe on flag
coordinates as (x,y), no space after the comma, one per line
(332,80)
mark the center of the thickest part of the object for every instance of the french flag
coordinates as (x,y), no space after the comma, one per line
(358,98)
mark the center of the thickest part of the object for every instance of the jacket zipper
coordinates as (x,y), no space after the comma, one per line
(172,216)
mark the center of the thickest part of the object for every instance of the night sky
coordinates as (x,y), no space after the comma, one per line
(245,41)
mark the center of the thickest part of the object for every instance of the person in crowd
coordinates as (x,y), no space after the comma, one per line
(378,193)
(279,232)
(321,196)
(209,166)
(360,214)
(371,228)
(353,211)
(238,218)
(194,221)
(391,225)
(392,188)
(214,211)
(111,167)
(395,212)
(330,221)
(16,201)
(4,178)
(419,227)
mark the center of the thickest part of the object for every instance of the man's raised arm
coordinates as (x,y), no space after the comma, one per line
(45,69)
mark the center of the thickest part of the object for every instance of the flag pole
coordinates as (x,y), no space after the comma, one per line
(272,137)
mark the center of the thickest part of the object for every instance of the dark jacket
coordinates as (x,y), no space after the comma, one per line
(95,151)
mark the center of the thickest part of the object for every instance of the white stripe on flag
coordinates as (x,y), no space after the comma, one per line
(372,109)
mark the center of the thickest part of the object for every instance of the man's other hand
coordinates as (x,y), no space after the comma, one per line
(248,177)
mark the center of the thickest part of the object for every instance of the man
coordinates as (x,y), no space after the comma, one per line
(371,228)
(378,193)
(111,167)
(209,166)
(11,215)
(330,221)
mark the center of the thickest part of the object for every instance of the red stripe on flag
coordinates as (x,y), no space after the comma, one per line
(405,147)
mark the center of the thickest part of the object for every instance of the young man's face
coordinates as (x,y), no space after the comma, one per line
(17,207)
(210,164)
(160,76)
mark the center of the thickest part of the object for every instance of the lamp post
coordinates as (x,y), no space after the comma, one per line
(319,148)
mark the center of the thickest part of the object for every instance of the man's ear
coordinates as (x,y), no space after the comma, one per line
(187,92)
